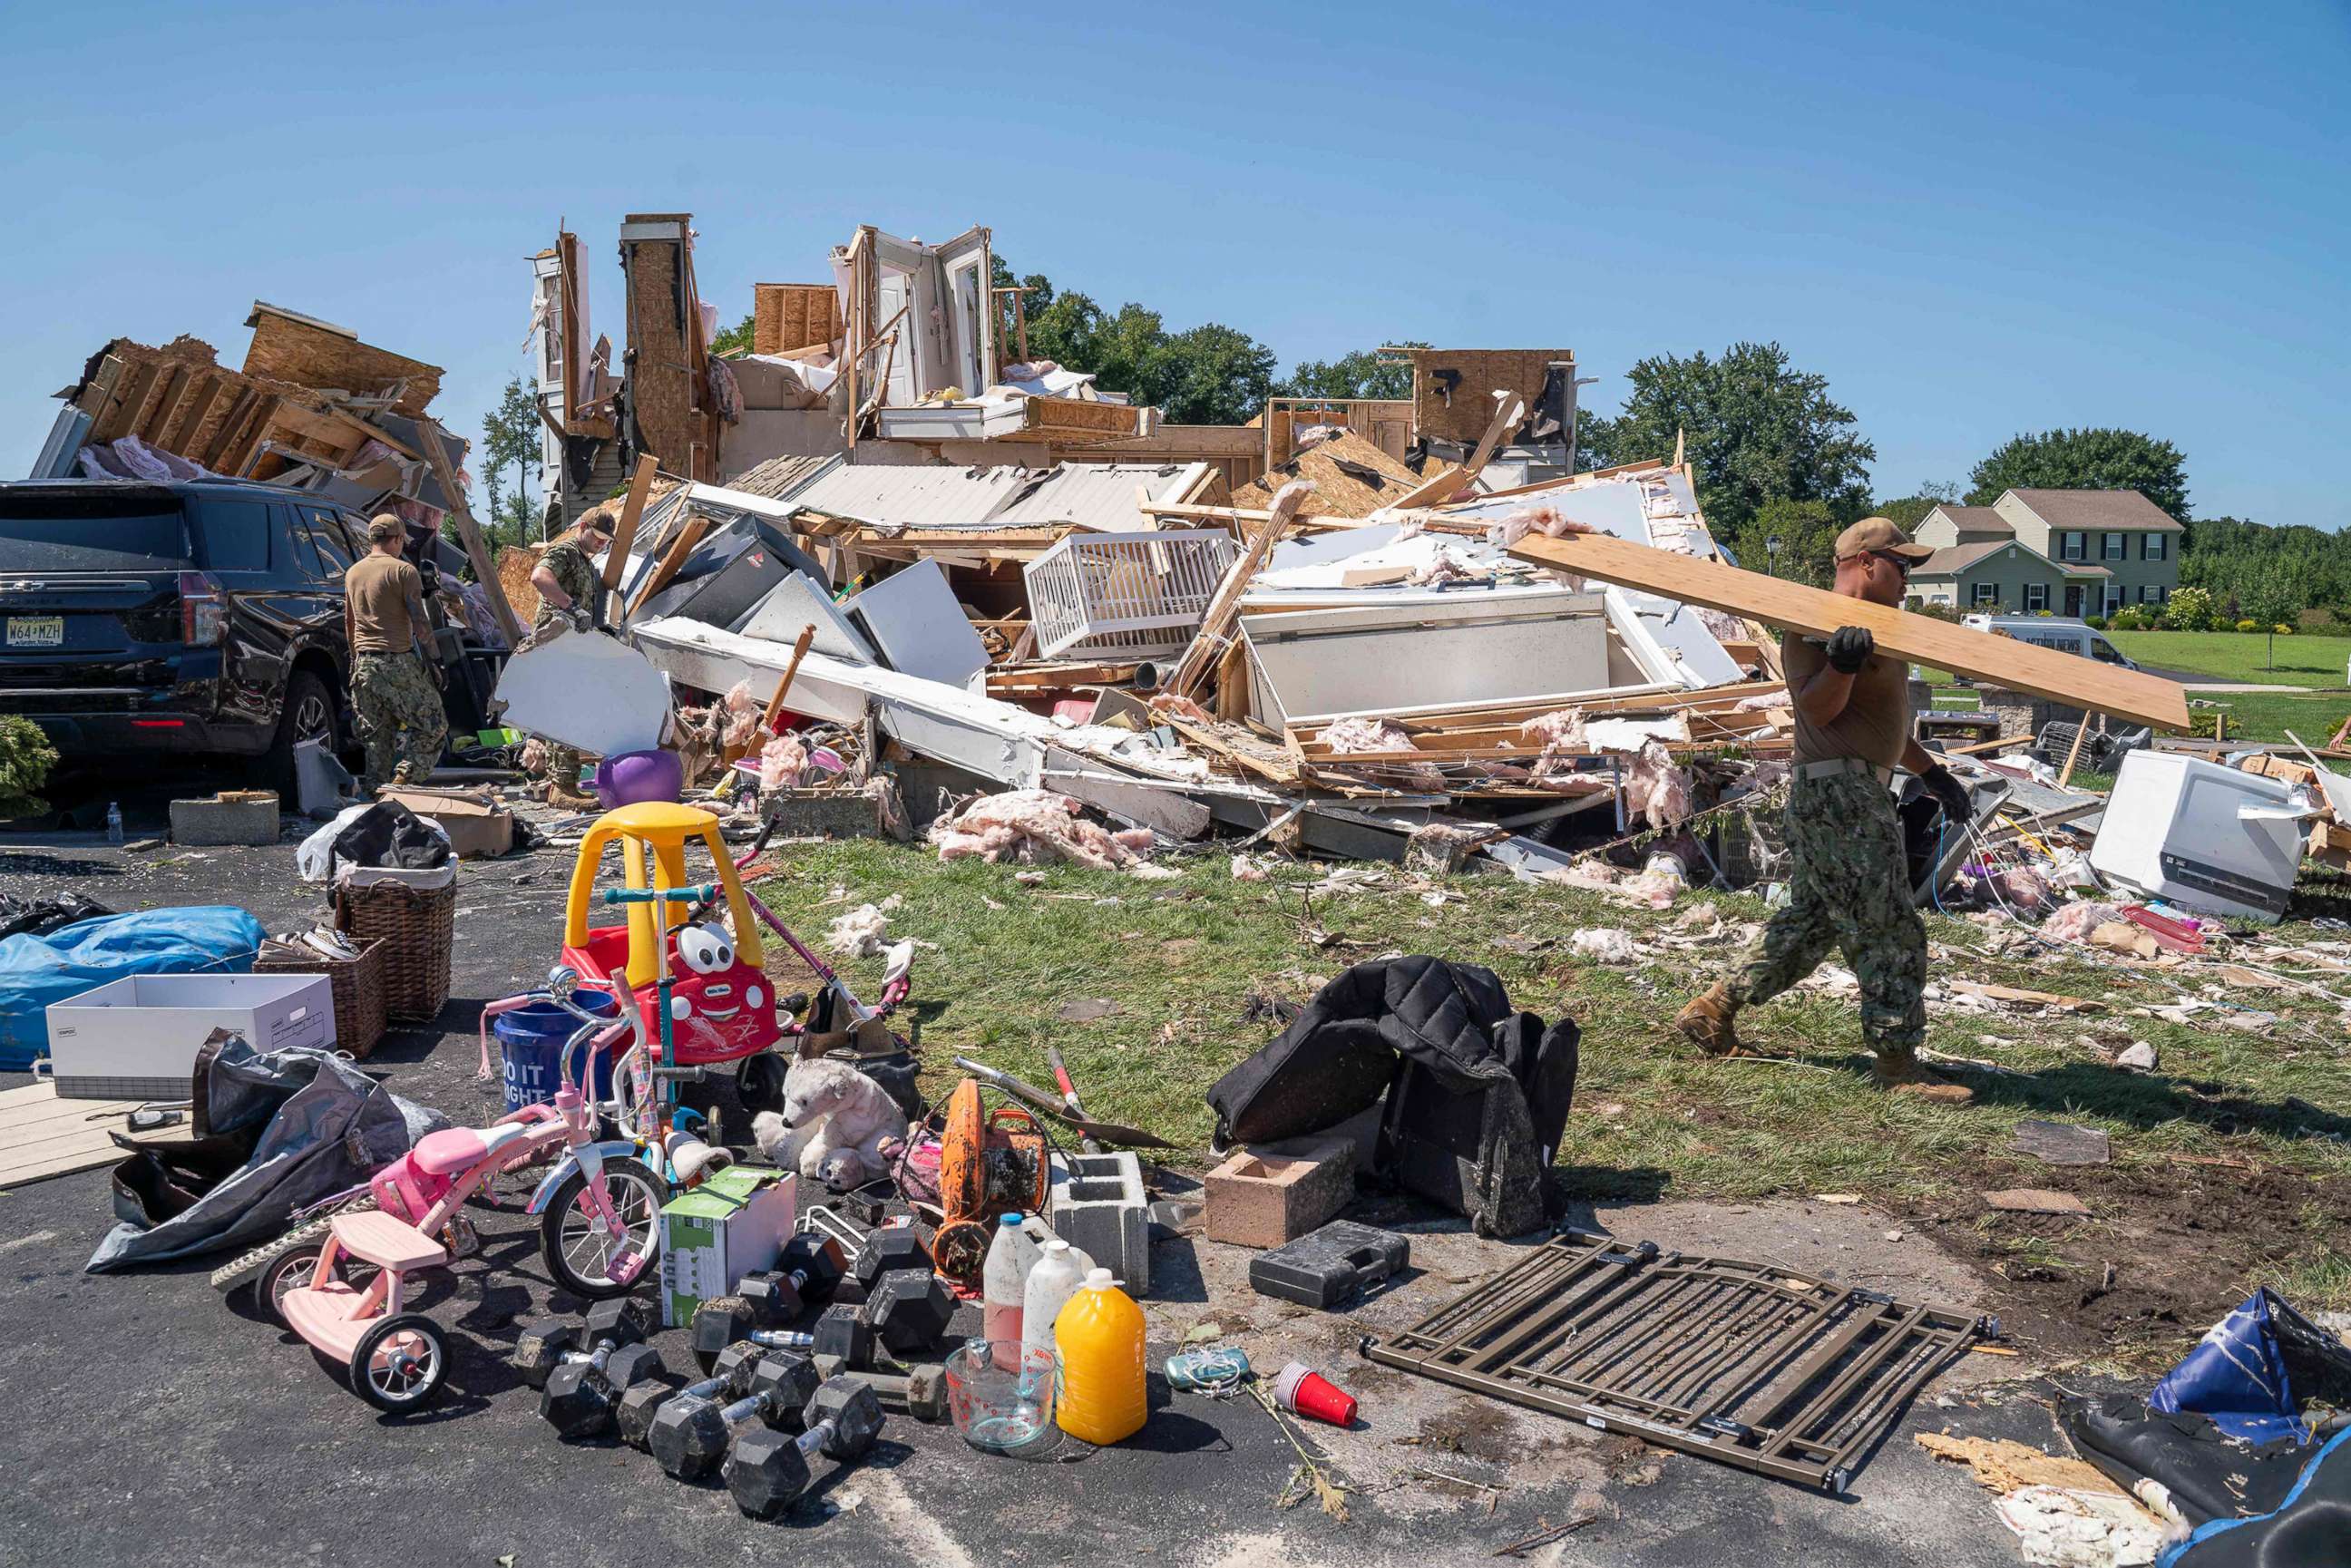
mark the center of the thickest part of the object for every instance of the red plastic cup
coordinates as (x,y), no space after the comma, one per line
(1301,1390)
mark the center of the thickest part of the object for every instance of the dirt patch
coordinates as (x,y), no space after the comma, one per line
(2167,1251)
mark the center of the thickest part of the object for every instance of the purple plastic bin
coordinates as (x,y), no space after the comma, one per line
(635,776)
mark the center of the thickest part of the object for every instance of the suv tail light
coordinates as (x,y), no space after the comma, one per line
(203,609)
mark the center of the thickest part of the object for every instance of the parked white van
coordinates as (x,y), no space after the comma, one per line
(2050,632)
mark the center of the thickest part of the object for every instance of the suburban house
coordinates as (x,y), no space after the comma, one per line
(2069,552)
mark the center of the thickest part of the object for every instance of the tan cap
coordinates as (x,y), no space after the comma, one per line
(384,525)
(1873,534)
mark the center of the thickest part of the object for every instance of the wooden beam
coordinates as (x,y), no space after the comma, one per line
(1206,648)
(681,545)
(1812,611)
(469,533)
(800,651)
(624,532)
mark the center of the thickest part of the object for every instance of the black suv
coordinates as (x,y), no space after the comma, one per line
(197,616)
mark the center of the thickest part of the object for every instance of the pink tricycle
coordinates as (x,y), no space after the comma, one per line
(340,1281)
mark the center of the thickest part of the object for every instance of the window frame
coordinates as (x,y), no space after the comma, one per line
(2032,588)
(1983,593)
(2154,545)
(2114,545)
(2072,543)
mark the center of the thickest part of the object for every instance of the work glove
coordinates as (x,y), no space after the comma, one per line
(1850,648)
(581,621)
(1949,792)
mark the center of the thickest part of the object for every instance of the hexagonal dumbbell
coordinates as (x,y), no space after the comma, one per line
(909,1310)
(922,1393)
(885,1252)
(808,1271)
(767,1471)
(583,1398)
(730,1375)
(690,1436)
(550,1342)
(730,1320)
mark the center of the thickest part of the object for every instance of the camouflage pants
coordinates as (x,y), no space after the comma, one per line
(1849,889)
(401,719)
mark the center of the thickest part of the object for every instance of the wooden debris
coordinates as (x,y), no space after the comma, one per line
(2050,999)
(2035,1200)
(2062,1143)
(2002,1465)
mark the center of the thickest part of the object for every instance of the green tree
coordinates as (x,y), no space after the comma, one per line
(1209,374)
(510,439)
(2278,591)
(734,339)
(2084,460)
(1807,530)
(1362,374)
(1757,429)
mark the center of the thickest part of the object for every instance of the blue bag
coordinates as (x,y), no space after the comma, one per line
(35,971)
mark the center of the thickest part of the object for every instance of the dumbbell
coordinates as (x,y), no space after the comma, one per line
(689,1436)
(908,1310)
(922,1393)
(885,1252)
(726,1321)
(548,1343)
(810,1268)
(767,1471)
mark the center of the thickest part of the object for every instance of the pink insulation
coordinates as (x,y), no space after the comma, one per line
(1035,827)
(1656,788)
(2077,921)
(741,712)
(782,761)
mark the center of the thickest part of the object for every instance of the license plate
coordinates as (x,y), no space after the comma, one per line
(37,630)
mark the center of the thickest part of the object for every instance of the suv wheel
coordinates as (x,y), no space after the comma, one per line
(308,714)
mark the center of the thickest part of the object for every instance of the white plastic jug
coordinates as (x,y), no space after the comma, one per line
(1004,1280)
(1051,1283)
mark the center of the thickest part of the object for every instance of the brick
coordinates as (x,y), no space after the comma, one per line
(1267,1196)
(1101,1208)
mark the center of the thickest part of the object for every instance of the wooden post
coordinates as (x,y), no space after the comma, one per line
(800,651)
(624,532)
(2074,754)
(688,535)
(486,572)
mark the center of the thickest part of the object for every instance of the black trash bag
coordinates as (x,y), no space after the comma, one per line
(309,1124)
(388,834)
(2310,1529)
(1477,1093)
(40,916)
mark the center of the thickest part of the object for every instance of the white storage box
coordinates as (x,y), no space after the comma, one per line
(2211,839)
(137,1037)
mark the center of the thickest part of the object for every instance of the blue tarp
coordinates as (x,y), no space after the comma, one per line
(35,971)
(2236,1375)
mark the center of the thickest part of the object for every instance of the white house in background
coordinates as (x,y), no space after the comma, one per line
(2070,553)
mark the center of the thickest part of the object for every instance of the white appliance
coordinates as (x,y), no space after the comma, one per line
(137,1037)
(2200,835)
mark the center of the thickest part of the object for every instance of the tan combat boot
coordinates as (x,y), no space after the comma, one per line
(1897,1071)
(1707,1021)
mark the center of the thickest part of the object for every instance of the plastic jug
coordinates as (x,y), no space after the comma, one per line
(1004,1280)
(1099,1337)
(1051,1283)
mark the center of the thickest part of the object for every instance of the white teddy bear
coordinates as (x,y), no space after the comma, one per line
(833,1126)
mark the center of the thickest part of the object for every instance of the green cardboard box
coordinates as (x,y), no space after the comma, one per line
(733,1224)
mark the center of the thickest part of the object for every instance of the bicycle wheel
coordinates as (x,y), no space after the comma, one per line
(400,1362)
(296,1265)
(580,1256)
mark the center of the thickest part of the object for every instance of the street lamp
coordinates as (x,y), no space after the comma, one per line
(1771,550)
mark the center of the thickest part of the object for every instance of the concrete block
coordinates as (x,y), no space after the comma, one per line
(247,817)
(1267,1196)
(1100,1207)
(821,814)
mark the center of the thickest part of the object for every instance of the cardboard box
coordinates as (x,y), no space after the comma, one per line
(478,825)
(137,1037)
(733,1224)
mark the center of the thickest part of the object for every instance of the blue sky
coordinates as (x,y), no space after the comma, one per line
(1973,219)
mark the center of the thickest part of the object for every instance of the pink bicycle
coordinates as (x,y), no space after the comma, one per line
(341,1278)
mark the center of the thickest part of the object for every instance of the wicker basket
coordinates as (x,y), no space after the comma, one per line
(357,986)
(416,930)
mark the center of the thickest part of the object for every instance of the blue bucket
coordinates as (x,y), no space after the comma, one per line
(530,1043)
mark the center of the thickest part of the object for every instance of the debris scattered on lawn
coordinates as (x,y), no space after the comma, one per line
(2035,1200)
(1604,944)
(2062,1143)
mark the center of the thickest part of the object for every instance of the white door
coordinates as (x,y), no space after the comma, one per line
(896,288)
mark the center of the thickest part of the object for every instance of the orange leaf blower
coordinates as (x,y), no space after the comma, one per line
(989,1162)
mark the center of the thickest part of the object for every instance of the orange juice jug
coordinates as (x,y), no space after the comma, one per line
(1099,1338)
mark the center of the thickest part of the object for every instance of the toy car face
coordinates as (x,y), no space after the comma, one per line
(721,1007)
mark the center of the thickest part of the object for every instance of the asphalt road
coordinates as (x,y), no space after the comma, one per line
(155,1426)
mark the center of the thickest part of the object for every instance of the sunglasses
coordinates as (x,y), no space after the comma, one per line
(1900,563)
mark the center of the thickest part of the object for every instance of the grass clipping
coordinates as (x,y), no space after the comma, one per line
(1310,1479)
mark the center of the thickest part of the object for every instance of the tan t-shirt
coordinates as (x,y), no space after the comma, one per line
(1874,724)
(387,600)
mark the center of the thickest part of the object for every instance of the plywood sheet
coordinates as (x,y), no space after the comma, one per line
(662,369)
(291,347)
(2044,671)
(787,316)
(42,1135)
(1353,478)
(1453,389)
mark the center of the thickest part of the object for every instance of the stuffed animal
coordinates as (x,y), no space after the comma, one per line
(837,1126)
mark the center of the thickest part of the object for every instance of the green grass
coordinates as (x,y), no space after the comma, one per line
(1181,960)
(2302,660)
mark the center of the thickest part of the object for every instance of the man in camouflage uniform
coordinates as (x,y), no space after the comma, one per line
(1850,887)
(394,679)
(571,592)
